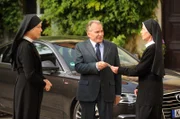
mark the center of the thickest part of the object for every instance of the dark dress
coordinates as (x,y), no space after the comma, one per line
(150,88)
(29,86)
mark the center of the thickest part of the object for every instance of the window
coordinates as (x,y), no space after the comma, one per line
(1,53)
(46,54)
(68,54)
(126,59)
(6,54)
(43,49)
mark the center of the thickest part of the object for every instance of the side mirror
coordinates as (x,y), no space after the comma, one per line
(49,66)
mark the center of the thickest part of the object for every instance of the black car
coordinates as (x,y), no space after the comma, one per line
(57,55)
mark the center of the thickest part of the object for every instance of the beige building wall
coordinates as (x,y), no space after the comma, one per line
(158,12)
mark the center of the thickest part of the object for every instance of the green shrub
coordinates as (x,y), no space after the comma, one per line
(121,18)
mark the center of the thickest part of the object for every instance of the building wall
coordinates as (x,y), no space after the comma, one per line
(158,12)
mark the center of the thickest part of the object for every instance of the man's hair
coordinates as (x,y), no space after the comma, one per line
(88,26)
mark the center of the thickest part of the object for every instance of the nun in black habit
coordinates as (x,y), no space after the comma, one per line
(28,91)
(150,71)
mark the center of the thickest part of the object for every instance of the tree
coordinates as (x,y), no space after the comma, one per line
(10,16)
(121,18)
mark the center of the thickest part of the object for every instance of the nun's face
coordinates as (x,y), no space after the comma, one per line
(145,34)
(36,31)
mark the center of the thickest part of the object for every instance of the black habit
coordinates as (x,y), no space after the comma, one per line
(150,71)
(28,91)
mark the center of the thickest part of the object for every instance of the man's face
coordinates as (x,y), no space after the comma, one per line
(145,34)
(36,31)
(96,32)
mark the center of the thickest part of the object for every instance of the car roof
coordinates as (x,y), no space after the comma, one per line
(63,39)
(52,38)
(66,41)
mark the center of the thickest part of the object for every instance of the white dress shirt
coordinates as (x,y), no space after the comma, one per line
(101,47)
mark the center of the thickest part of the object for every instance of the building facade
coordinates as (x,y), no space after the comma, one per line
(171,32)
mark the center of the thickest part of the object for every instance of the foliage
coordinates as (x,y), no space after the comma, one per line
(119,40)
(121,18)
(10,15)
(164,49)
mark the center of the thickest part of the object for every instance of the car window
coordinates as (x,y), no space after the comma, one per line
(126,59)
(46,54)
(42,49)
(68,54)
(1,52)
(6,54)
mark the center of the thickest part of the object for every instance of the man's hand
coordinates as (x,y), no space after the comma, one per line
(101,65)
(48,85)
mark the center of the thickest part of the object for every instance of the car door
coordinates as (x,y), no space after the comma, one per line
(7,79)
(52,104)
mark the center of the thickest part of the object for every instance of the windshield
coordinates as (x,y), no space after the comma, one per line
(67,51)
(126,59)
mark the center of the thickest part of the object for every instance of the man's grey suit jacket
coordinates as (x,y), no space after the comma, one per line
(92,80)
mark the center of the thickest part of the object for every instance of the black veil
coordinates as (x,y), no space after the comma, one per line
(29,21)
(154,29)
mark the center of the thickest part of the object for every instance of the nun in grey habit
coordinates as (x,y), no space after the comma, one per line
(28,91)
(150,71)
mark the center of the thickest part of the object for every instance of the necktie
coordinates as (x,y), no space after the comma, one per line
(98,53)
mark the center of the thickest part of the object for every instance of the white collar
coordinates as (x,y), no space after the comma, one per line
(94,43)
(149,43)
(28,39)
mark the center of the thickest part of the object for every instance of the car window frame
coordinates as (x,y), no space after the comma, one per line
(42,43)
(2,50)
(5,55)
(131,55)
